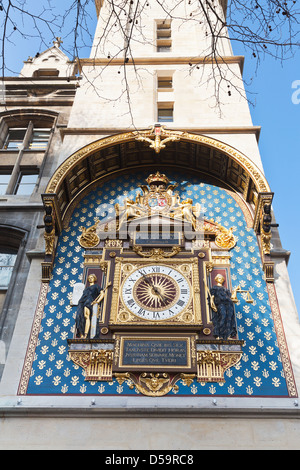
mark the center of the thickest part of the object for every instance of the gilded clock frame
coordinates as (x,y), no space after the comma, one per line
(191,315)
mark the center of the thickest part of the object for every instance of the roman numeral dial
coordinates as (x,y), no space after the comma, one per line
(156,292)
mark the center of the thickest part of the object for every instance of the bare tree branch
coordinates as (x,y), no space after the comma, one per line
(262,27)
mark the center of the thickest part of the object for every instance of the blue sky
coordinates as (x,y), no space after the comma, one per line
(271,89)
(279,146)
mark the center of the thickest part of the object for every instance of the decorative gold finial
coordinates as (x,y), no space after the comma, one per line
(157,178)
(157,144)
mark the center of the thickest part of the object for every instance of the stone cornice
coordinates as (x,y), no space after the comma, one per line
(128,407)
(162,59)
(196,130)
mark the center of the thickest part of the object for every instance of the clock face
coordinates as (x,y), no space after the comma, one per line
(156,292)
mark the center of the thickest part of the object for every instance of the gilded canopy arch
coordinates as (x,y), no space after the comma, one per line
(135,149)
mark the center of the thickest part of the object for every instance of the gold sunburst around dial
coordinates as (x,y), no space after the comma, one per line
(156,292)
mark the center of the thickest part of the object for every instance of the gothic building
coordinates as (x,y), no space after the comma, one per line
(145,297)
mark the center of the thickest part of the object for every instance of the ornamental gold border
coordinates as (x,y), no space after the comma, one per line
(30,353)
(61,172)
(286,362)
(194,299)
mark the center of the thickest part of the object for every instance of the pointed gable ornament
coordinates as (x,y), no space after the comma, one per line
(57,42)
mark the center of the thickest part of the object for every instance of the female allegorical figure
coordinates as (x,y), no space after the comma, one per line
(91,295)
(223,317)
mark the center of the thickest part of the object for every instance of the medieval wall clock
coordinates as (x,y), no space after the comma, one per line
(152,324)
(156,292)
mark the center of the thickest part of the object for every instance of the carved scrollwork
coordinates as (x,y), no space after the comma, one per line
(157,144)
(225,238)
(96,363)
(89,237)
(212,364)
(49,224)
(154,384)
(156,253)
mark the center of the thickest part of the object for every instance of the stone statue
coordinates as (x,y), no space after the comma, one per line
(92,295)
(186,211)
(130,210)
(223,317)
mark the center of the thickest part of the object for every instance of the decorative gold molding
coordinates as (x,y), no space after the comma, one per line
(156,253)
(157,144)
(49,242)
(211,365)
(269,270)
(266,242)
(255,173)
(96,363)
(154,384)
(62,171)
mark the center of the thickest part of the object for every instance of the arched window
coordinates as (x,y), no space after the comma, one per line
(25,136)
(11,240)
(7,262)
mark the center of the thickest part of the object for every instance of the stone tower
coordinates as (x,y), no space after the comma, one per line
(145,290)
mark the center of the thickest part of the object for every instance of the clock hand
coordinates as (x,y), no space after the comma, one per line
(146,278)
(149,282)
(163,298)
(156,290)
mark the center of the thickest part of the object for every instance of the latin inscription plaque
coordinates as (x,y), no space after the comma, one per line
(158,352)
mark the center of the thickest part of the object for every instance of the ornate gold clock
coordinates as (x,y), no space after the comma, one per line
(150,323)
(156,292)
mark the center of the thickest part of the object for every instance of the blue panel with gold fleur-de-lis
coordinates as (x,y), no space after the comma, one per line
(260,371)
